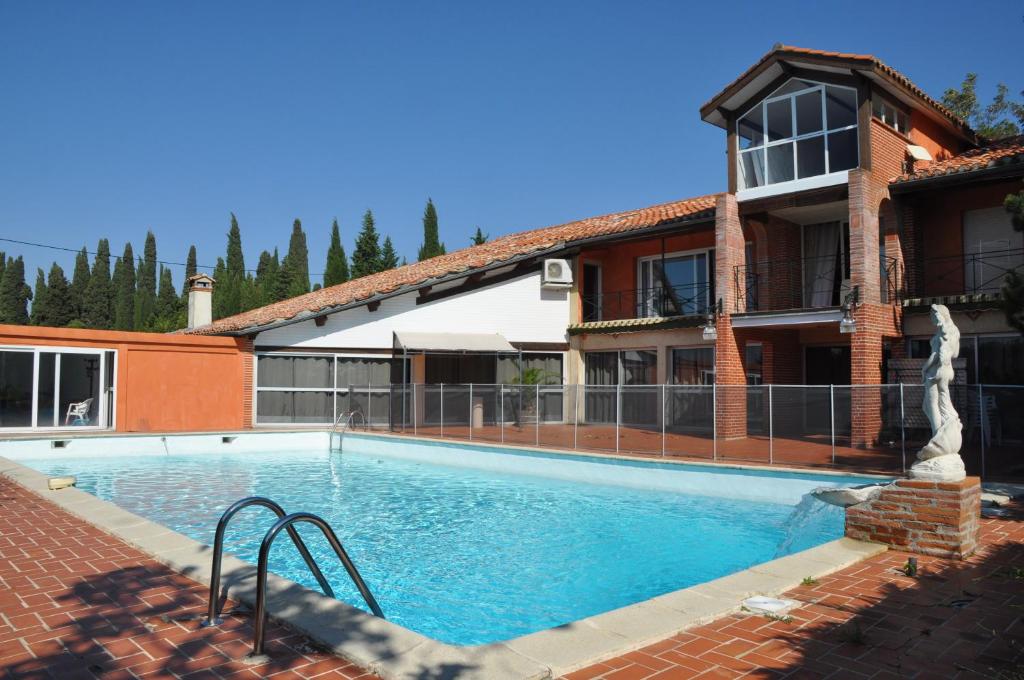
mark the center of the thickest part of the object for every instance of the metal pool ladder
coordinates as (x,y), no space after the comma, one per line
(283,523)
(345,420)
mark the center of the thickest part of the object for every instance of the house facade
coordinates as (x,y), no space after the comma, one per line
(852,202)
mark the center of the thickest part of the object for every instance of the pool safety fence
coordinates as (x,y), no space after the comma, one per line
(864,427)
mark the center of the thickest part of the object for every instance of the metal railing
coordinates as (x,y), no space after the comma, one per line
(860,427)
(806,283)
(346,420)
(283,523)
(659,301)
(963,274)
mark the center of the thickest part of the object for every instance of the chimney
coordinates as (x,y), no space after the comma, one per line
(200,300)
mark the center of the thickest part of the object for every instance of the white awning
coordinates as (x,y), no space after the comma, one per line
(452,342)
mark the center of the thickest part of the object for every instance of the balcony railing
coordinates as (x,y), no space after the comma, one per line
(684,300)
(806,283)
(963,274)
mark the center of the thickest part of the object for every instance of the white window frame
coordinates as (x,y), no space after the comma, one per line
(797,183)
(102,416)
(668,256)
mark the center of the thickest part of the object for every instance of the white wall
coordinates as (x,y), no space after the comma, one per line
(519,309)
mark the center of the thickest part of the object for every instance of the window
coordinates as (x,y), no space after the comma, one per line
(804,129)
(313,389)
(625,367)
(616,379)
(890,115)
(676,284)
(48,387)
(693,366)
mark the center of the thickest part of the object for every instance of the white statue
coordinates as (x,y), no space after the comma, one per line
(940,459)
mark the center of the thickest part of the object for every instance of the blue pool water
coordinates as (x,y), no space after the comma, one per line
(466,554)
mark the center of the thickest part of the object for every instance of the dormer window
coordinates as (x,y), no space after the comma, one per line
(804,129)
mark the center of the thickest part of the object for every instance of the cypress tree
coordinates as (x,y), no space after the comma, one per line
(3,264)
(388,256)
(124,290)
(190,270)
(479,238)
(230,285)
(432,246)
(14,293)
(60,309)
(40,301)
(145,296)
(97,305)
(79,284)
(168,307)
(366,256)
(218,291)
(336,270)
(266,282)
(295,265)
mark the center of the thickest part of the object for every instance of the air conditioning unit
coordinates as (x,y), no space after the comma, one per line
(556,274)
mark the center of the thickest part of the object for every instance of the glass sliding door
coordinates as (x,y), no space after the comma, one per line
(48,388)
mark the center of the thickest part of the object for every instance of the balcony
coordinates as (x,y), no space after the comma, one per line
(810,283)
(978,276)
(650,303)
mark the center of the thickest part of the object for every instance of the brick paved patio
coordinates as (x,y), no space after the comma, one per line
(77,603)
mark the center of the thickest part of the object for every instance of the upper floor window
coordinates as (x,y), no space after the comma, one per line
(804,129)
(890,115)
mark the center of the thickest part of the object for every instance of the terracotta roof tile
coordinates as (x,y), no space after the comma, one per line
(490,253)
(867,59)
(1004,152)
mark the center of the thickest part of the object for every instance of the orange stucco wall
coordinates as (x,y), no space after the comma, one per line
(164,383)
(940,142)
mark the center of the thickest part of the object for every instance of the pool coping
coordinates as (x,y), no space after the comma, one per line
(393,651)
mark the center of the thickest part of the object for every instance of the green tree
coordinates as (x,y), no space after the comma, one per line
(388,256)
(145,294)
(231,284)
(60,310)
(295,266)
(218,292)
(97,305)
(124,290)
(1003,117)
(79,284)
(336,270)
(40,301)
(1012,298)
(432,246)
(14,293)
(168,314)
(190,270)
(479,238)
(366,256)
(267,278)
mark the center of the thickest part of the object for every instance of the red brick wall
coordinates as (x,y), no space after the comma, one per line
(932,518)
(939,142)
(730,243)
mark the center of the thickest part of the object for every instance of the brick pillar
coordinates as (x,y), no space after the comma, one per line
(248,351)
(865,197)
(931,518)
(866,371)
(731,402)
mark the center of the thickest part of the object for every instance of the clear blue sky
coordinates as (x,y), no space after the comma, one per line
(116,117)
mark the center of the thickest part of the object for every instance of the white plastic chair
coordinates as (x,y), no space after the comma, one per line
(79,412)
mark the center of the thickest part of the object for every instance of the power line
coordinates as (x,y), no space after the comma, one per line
(118,257)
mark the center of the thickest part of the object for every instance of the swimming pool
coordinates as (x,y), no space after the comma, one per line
(468,544)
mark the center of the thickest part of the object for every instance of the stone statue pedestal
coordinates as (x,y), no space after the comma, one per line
(921,516)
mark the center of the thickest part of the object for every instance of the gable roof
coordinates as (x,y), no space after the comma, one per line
(500,251)
(1005,155)
(867,64)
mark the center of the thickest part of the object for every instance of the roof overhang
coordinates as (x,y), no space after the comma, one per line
(784,62)
(803,317)
(451,343)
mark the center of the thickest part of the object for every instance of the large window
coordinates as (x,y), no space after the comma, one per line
(676,284)
(47,387)
(617,379)
(803,130)
(693,366)
(314,389)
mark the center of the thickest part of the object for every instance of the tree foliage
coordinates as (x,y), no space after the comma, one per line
(432,246)
(366,257)
(14,293)
(1002,117)
(79,284)
(479,238)
(295,266)
(124,290)
(1012,298)
(336,270)
(388,256)
(97,308)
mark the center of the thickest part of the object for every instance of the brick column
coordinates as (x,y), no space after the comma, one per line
(866,371)
(731,404)
(865,197)
(248,351)
(931,518)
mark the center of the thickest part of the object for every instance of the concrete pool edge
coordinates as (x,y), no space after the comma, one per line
(393,651)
